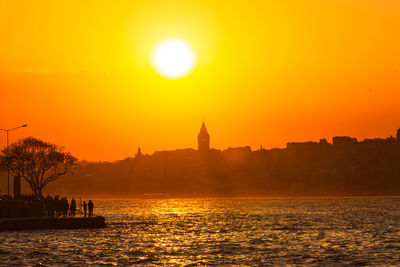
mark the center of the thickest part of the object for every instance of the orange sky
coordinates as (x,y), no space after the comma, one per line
(269,72)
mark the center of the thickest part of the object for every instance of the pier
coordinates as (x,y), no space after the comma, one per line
(19,224)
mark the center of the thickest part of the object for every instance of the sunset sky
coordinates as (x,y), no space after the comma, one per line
(79,73)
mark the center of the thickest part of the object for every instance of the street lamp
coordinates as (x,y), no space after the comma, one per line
(8,158)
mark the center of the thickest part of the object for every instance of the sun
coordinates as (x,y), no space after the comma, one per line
(173,58)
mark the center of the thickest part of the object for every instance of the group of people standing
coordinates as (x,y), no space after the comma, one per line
(33,206)
(90,205)
(60,207)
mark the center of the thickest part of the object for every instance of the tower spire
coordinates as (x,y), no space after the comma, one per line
(203,139)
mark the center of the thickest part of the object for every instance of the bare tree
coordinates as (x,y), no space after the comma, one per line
(38,162)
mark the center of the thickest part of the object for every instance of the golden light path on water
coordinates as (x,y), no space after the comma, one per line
(321,231)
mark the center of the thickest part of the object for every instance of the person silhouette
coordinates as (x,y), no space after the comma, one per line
(64,206)
(73,207)
(84,208)
(90,206)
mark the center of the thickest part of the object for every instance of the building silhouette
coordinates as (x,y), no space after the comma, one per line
(138,153)
(342,166)
(203,139)
(398,135)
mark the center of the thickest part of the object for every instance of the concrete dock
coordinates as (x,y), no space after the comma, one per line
(43,223)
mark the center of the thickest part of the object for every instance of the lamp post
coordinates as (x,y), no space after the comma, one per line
(8,159)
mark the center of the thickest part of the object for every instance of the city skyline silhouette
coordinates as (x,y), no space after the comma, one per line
(343,167)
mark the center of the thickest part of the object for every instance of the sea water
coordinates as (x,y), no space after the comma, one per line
(308,231)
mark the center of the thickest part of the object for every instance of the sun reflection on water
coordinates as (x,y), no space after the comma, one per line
(220,231)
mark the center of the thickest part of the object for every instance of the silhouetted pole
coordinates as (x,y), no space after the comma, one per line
(8,158)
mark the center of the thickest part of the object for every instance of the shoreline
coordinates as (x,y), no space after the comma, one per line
(155,197)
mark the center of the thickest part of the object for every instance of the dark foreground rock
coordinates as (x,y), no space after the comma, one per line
(18,224)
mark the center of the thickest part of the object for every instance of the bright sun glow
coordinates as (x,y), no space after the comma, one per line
(173,58)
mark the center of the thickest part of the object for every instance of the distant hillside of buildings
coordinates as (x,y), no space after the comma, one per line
(345,167)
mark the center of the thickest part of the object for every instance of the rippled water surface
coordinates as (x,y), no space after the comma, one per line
(307,231)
